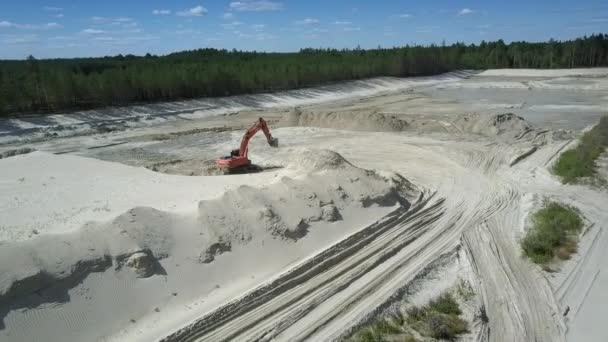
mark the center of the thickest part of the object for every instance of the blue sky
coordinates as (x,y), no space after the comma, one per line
(62,28)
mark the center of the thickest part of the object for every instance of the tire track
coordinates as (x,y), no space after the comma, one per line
(329,271)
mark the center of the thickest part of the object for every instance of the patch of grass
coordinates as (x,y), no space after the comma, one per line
(579,162)
(380,329)
(554,233)
(465,290)
(445,304)
(438,319)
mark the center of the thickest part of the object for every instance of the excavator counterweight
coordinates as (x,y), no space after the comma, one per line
(238,158)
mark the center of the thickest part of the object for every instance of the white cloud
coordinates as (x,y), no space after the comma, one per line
(307,21)
(232,25)
(161,12)
(258,27)
(25,39)
(129,25)
(228,15)
(59,38)
(256,6)
(52,9)
(352,29)
(60,15)
(264,36)
(47,26)
(197,11)
(92,31)
(310,36)
(342,22)
(599,20)
(51,26)
(185,31)
(466,11)
(104,39)
(426,29)
(405,15)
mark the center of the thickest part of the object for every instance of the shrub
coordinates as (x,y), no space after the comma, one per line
(446,304)
(438,319)
(446,327)
(553,233)
(580,162)
(377,331)
(465,290)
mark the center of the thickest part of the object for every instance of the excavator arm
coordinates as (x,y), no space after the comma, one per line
(259,125)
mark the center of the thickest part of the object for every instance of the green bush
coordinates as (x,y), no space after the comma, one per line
(447,327)
(580,162)
(554,229)
(446,304)
(438,319)
(377,331)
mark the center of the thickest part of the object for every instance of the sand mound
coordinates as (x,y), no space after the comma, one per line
(326,193)
(53,264)
(358,120)
(12,153)
(289,208)
(317,160)
(509,125)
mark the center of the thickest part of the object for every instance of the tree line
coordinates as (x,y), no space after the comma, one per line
(51,85)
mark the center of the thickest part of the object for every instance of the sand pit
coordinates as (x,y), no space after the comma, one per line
(372,201)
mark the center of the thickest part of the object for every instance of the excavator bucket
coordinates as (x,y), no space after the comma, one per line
(274,142)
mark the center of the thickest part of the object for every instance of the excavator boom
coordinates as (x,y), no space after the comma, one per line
(238,158)
(259,125)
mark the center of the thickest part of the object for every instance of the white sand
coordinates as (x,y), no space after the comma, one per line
(544,72)
(329,200)
(73,190)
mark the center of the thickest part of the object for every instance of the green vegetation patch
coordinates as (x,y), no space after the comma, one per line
(579,162)
(379,331)
(438,319)
(49,85)
(554,233)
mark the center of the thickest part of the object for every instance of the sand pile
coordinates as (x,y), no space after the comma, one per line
(136,239)
(16,152)
(289,208)
(317,190)
(493,125)
(357,120)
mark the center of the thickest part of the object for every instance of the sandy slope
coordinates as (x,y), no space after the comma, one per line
(545,73)
(307,251)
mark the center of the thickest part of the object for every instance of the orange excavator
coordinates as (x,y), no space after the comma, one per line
(237,160)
